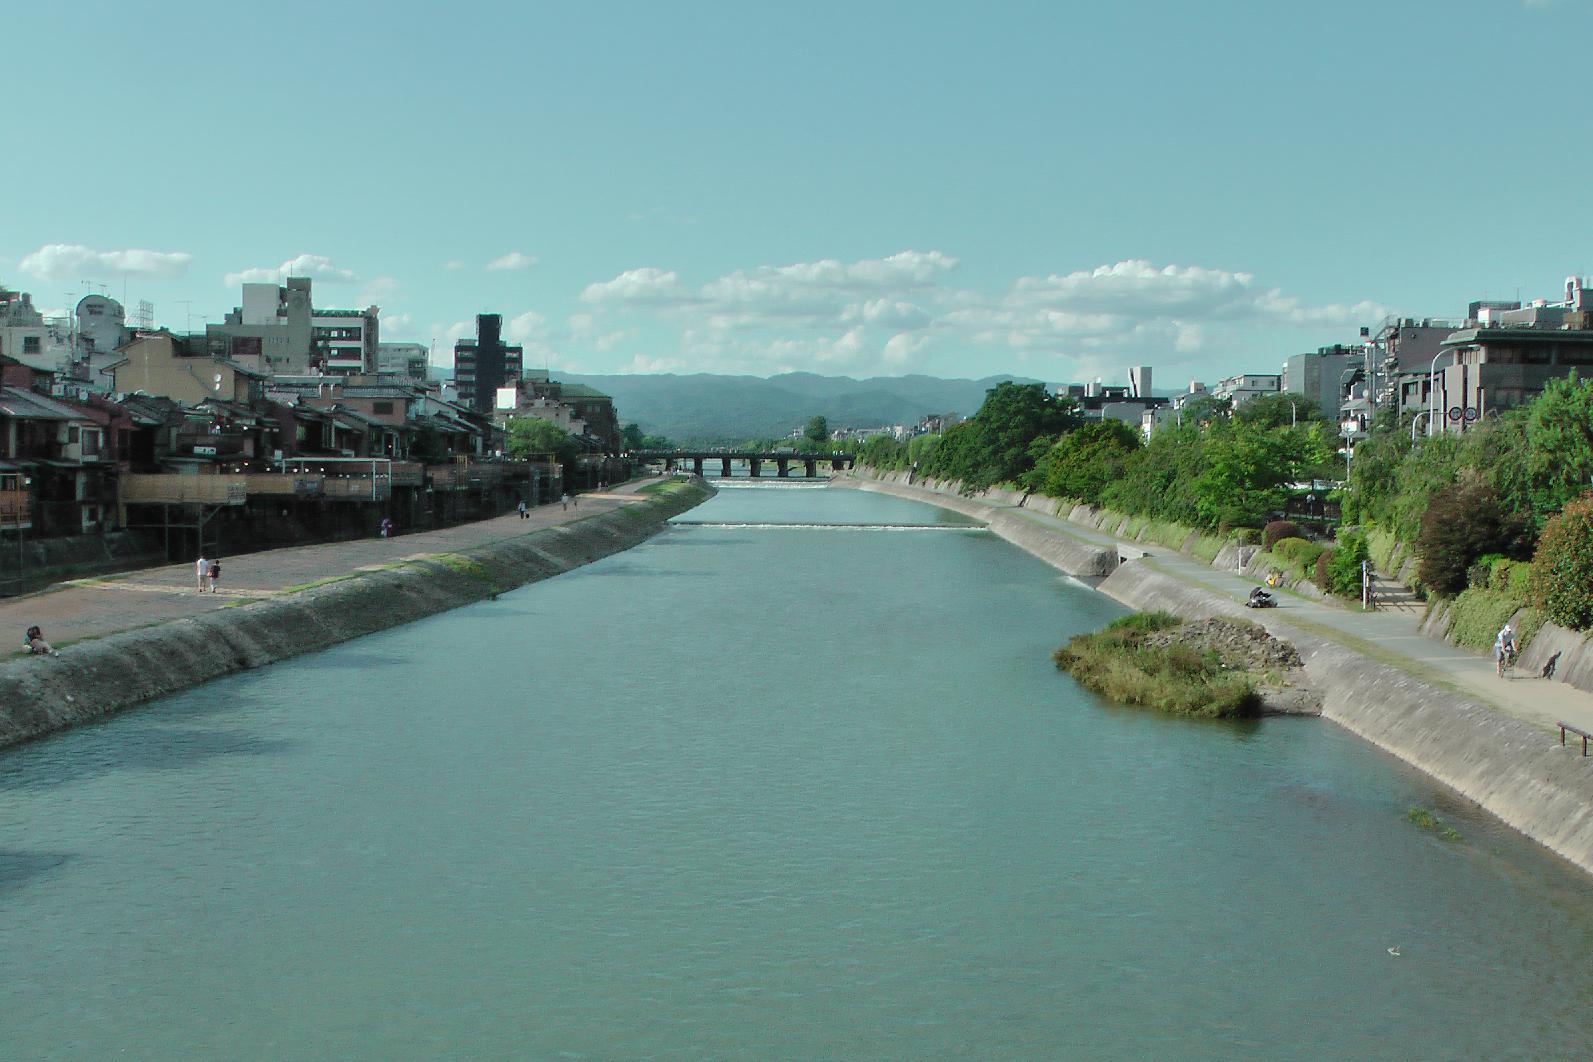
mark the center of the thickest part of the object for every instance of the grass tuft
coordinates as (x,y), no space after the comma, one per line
(1177,679)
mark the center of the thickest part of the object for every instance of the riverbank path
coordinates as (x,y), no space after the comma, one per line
(79,609)
(1392,637)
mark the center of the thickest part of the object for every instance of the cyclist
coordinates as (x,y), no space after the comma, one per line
(1504,649)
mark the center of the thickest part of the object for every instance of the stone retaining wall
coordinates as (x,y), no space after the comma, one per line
(95,678)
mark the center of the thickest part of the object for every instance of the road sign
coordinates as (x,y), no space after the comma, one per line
(1455,412)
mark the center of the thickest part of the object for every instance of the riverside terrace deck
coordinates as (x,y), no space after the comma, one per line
(753,459)
(92,608)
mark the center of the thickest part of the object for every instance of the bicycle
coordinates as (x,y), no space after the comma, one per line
(1505,660)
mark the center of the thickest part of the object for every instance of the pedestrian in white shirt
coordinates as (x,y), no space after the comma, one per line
(202,571)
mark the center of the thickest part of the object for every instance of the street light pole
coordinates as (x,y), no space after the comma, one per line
(1432,387)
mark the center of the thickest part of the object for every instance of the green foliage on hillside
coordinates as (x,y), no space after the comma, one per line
(1562,579)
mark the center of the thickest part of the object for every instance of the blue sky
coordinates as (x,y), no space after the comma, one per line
(1051,189)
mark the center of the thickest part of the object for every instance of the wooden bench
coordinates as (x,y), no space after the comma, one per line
(1583,734)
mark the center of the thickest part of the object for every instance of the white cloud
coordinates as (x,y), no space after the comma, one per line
(513,260)
(452,264)
(886,314)
(394,326)
(314,266)
(74,262)
(526,327)
(378,290)
(643,363)
(644,285)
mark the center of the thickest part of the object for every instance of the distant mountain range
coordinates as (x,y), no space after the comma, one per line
(704,407)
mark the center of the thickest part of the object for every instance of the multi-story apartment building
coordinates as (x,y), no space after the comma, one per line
(279,329)
(1319,376)
(1240,389)
(485,364)
(410,360)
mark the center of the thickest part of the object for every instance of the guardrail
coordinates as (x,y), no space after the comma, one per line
(1583,734)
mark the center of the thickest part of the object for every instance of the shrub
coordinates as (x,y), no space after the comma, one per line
(1459,526)
(1344,569)
(1478,613)
(1323,559)
(1278,530)
(1245,536)
(1298,551)
(1562,579)
(1518,579)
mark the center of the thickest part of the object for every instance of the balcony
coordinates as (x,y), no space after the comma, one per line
(16,509)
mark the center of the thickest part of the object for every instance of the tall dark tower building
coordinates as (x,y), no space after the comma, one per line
(484,364)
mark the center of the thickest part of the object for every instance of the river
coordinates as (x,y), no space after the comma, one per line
(756,789)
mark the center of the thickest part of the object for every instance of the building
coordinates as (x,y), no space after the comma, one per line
(410,360)
(344,342)
(1504,355)
(279,329)
(486,363)
(1098,401)
(1319,376)
(30,337)
(1237,390)
(1405,347)
(1502,367)
(182,368)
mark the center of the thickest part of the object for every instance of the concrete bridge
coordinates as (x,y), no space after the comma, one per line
(783,460)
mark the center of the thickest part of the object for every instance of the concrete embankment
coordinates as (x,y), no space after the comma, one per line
(1508,766)
(39,695)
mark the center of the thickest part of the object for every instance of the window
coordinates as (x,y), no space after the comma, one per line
(72,435)
(91,443)
(30,344)
(381,407)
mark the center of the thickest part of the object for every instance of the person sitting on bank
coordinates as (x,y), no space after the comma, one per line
(34,640)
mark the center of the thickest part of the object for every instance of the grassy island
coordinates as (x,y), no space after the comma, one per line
(1207,669)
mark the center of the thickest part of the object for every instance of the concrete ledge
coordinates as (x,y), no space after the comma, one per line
(39,695)
(1070,555)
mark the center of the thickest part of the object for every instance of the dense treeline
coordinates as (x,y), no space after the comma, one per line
(1489,512)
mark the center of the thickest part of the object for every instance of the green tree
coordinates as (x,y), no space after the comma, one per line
(1278,411)
(1558,457)
(634,436)
(997,444)
(1082,462)
(529,436)
(817,433)
(1461,524)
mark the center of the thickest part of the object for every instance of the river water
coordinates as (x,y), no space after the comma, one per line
(756,790)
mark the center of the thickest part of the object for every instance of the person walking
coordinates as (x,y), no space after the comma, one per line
(386,529)
(564,502)
(214,574)
(523,514)
(201,569)
(35,643)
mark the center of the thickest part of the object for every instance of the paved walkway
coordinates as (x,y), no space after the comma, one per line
(92,608)
(1392,637)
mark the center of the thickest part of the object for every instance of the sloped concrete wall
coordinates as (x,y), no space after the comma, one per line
(1512,768)
(39,694)
(1077,558)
